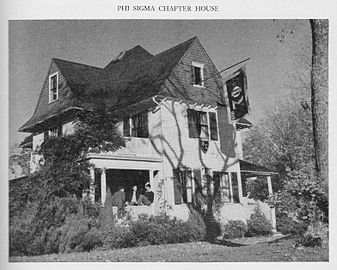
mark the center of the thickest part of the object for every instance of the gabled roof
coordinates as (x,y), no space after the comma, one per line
(135,75)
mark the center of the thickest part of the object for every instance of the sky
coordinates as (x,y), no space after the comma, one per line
(32,44)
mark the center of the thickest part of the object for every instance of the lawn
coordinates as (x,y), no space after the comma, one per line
(276,251)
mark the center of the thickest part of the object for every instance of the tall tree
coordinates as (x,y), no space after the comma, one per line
(319,95)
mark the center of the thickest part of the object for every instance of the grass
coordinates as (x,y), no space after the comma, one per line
(277,251)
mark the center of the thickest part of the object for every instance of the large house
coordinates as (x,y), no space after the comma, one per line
(176,118)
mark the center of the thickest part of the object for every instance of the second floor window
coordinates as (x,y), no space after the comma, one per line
(136,125)
(198,126)
(53,87)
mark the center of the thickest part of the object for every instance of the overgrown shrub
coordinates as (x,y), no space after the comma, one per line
(197,225)
(119,237)
(234,229)
(258,224)
(287,225)
(155,230)
(91,240)
(20,230)
(73,230)
(316,234)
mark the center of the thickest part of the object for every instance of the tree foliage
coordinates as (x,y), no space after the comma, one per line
(54,191)
(283,141)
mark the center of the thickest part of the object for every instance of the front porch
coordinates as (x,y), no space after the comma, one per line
(252,171)
(109,172)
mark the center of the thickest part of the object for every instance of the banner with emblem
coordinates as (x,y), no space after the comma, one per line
(237,94)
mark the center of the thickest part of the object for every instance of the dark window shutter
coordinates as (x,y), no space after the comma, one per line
(144,125)
(235,187)
(177,186)
(192,75)
(192,125)
(135,126)
(126,126)
(216,180)
(59,131)
(197,177)
(213,126)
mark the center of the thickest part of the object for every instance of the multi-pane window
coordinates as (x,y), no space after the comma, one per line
(226,188)
(136,125)
(53,87)
(198,124)
(182,186)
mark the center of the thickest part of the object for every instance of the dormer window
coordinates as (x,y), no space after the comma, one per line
(53,87)
(197,74)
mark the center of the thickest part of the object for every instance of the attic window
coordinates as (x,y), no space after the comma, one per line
(197,74)
(53,87)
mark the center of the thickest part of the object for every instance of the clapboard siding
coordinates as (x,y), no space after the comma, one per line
(43,106)
(179,81)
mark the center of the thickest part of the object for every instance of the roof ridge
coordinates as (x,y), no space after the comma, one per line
(72,62)
(174,47)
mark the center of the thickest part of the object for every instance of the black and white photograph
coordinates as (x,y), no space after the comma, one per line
(168,140)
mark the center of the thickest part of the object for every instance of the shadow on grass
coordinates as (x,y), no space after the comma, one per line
(227,243)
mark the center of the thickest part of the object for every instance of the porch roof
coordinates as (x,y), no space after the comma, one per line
(254,169)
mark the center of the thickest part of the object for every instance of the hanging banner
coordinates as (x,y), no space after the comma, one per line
(237,94)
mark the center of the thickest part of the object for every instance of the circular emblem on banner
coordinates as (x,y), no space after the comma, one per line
(236,91)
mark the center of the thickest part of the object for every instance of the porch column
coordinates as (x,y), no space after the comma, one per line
(151,179)
(92,184)
(103,186)
(272,209)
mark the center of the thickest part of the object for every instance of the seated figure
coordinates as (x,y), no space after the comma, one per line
(147,198)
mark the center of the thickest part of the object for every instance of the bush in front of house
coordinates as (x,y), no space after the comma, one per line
(258,224)
(155,230)
(197,225)
(234,229)
(161,229)
(287,225)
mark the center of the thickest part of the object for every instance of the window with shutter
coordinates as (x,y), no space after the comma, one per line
(197,124)
(222,188)
(213,126)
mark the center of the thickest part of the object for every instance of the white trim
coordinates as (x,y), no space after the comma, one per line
(123,157)
(57,87)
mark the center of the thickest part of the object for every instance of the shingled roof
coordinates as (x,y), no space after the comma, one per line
(135,75)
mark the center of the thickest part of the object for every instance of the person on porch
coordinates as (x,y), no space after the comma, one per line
(133,196)
(118,199)
(148,197)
